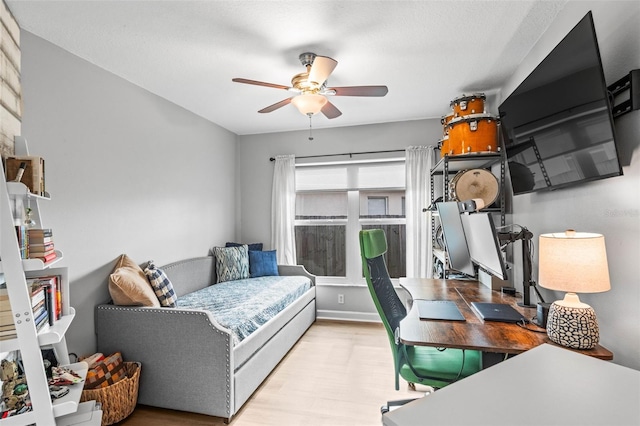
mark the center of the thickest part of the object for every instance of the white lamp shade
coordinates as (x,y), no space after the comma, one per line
(573,262)
(309,104)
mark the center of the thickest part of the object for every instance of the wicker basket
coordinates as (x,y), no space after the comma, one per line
(119,399)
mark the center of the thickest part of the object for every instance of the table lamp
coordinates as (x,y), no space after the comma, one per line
(575,262)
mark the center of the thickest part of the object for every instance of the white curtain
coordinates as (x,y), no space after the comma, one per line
(419,161)
(283,209)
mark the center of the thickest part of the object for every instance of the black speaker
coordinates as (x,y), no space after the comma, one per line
(542,314)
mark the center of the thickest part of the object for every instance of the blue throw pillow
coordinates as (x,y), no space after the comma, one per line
(253,246)
(263,263)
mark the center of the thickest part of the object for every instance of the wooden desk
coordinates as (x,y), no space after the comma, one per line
(474,333)
(545,386)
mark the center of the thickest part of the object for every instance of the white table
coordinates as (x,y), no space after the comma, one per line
(546,385)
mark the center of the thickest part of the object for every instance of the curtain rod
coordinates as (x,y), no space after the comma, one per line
(350,154)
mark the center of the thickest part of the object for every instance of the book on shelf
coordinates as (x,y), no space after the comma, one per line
(44,257)
(42,321)
(23,240)
(6,314)
(6,335)
(42,305)
(6,317)
(37,293)
(53,294)
(39,307)
(40,247)
(39,236)
(50,298)
(41,232)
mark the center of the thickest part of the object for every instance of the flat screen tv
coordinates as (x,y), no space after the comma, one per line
(557,125)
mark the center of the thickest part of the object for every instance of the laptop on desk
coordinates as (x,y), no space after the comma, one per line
(501,312)
(438,310)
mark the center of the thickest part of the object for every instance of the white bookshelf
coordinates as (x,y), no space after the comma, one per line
(67,410)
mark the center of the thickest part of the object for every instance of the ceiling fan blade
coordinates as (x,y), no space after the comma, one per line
(275,106)
(360,90)
(321,68)
(330,110)
(259,83)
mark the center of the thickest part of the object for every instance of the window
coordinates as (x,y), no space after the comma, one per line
(333,202)
(321,219)
(377,206)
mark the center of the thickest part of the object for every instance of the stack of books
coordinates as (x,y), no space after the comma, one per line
(7,326)
(40,244)
(39,306)
(51,291)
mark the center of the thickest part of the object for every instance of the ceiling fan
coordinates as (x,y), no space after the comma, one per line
(311,88)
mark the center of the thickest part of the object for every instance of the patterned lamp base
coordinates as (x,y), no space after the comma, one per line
(573,327)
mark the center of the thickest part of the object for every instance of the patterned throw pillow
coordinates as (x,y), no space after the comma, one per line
(106,372)
(232,263)
(161,285)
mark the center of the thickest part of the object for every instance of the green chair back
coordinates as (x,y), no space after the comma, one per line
(416,364)
(373,246)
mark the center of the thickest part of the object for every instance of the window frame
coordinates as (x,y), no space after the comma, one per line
(353,223)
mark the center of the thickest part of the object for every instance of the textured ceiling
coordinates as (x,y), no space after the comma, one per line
(426,52)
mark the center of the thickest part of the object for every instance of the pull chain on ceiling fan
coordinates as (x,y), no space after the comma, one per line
(311,88)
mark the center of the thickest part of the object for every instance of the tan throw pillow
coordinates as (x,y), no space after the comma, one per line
(129,286)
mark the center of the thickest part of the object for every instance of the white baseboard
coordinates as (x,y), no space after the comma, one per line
(348,315)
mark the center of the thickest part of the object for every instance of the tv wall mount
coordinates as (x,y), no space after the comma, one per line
(630,82)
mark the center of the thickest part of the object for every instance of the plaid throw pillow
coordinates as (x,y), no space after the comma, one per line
(161,285)
(106,372)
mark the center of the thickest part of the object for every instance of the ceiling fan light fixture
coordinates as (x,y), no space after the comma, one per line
(309,104)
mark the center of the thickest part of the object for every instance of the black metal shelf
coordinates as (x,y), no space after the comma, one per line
(449,165)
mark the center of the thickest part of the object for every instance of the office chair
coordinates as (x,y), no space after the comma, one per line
(416,364)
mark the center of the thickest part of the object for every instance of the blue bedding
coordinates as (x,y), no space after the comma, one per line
(244,305)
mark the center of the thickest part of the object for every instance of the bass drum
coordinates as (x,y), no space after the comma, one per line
(475,183)
(473,134)
(468,104)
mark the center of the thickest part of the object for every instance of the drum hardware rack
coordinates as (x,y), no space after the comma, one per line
(456,163)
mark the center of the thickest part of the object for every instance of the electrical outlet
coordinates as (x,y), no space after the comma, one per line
(341,299)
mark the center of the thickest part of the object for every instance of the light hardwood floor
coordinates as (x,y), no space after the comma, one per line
(338,374)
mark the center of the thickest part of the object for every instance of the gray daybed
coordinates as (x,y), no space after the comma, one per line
(189,361)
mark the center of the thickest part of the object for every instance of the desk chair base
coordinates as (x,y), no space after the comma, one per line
(390,405)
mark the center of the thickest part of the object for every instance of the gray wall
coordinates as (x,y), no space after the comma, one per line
(128,172)
(612,206)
